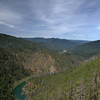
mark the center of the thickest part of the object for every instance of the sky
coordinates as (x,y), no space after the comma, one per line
(68,19)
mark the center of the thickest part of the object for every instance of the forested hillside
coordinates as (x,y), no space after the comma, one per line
(10,71)
(35,57)
(20,58)
(11,42)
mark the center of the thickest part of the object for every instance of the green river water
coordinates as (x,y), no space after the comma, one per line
(18,91)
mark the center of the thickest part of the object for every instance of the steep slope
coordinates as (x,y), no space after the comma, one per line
(79,82)
(88,50)
(57,44)
(27,53)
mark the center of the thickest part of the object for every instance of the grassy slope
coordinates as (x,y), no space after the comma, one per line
(58,84)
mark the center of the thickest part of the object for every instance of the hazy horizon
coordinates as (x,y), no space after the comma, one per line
(47,38)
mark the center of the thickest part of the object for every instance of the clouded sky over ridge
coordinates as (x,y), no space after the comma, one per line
(69,19)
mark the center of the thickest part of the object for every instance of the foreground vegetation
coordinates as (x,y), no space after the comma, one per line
(79,83)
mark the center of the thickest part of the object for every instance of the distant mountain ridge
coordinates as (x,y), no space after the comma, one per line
(57,44)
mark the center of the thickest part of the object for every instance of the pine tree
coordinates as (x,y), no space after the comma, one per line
(70,91)
(90,93)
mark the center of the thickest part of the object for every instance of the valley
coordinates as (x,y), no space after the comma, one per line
(42,72)
(49,49)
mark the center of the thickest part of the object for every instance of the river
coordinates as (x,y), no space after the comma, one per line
(18,91)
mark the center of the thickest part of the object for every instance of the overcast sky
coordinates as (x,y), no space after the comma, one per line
(69,19)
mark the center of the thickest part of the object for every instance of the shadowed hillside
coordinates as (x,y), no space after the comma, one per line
(88,50)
